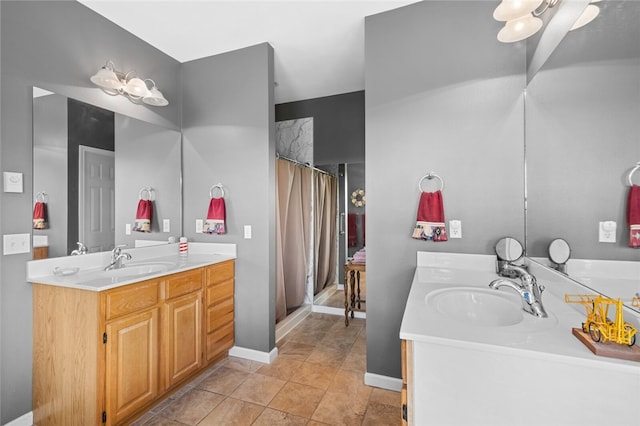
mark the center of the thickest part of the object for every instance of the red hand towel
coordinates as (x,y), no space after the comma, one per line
(352,229)
(143,216)
(633,216)
(40,215)
(215,223)
(430,218)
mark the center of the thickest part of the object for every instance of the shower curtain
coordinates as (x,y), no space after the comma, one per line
(293,217)
(325,219)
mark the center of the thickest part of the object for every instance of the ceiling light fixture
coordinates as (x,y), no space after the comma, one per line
(114,82)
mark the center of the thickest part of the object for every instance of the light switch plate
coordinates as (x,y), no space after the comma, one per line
(247,232)
(16,243)
(127,229)
(13,182)
(199,226)
(166,225)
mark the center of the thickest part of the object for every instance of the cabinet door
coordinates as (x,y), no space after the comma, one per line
(131,364)
(184,337)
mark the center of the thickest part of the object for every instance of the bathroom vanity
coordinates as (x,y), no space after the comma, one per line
(472,356)
(109,344)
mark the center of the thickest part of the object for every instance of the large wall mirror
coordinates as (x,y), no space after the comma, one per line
(92,166)
(583,137)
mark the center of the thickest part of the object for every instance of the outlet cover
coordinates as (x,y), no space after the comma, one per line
(455,229)
(166,225)
(607,231)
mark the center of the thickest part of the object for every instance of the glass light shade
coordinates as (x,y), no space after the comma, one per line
(155,98)
(508,10)
(587,16)
(136,88)
(519,29)
(106,79)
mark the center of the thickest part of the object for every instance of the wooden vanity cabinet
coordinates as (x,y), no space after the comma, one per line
(104,357)
(219,317)
(406,394)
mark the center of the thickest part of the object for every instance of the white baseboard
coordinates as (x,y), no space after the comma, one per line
(25,420)
(253,355)
(384,382)
(291,321)
(335,311)
(339,287)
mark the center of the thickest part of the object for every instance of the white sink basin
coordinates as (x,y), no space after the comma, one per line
(138,269)
(477,306)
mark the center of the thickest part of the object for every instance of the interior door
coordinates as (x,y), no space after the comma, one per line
(96,199)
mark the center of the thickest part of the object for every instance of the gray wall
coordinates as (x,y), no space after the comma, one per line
(582,136)
(444,100)
(49,158)
(229,138)
(146,155)
(56,46)
(338,126)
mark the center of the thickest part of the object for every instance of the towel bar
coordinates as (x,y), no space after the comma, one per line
(430,176)
(635,169)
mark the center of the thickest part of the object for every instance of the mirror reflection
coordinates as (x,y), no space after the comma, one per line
(582,137)
(90,166)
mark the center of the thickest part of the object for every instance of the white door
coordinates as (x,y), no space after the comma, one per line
(96,199)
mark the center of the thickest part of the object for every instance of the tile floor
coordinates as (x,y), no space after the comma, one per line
(317,379)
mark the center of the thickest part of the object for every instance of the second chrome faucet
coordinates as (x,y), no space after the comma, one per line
(116,258)
(528,288)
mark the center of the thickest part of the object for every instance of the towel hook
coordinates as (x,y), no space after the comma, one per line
(148,190)
(635,169)
(42,197)
(219,186)
(430,176)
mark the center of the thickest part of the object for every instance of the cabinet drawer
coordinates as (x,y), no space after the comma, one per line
(183,283)
(131,298)
(220,272)
(220,291)
(219,315)
(219,341)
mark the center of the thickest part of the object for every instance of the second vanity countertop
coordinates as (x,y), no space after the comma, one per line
(532,337)
(90,276)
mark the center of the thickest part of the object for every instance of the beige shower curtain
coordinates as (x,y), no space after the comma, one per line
(325,212)
(293,217)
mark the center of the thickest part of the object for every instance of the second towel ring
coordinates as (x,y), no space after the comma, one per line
(635,169)
(430,176)
(219,186)
(42,197)
(149,192)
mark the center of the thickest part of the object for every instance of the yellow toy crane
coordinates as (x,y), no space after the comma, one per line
(598,324)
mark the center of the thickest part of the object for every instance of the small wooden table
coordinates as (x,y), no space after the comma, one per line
(351,277)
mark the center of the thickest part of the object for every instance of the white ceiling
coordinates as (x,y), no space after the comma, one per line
(318,45)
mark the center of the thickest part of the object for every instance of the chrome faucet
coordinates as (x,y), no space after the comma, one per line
(82,249)
(116,258)
(528,288)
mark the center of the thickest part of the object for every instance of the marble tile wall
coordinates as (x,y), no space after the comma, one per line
(294,139)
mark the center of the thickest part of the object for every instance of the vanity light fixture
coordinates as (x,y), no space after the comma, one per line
(114,82)
(522,17)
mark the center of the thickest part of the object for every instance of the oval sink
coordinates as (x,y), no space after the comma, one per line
(478,306)
(136,270)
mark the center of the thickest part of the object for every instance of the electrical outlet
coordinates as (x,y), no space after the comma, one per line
(455,229)
(607,232)
(16,243)
(166,225)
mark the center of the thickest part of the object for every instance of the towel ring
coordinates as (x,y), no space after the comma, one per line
(42,197)
(430,176)
(219,186)
(148,190)
(635,169)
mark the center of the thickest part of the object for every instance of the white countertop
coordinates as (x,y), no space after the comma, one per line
(533,337)
(89,276)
